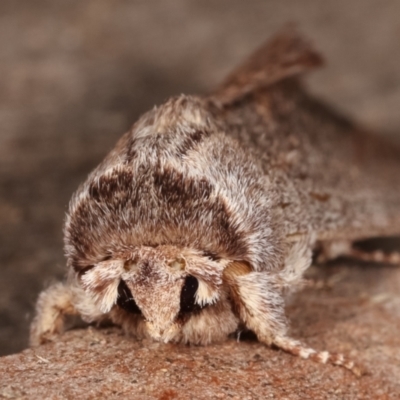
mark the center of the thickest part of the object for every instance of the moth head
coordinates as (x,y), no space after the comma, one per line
(166,284)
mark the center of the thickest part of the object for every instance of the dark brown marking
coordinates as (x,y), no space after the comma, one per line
(323,197)
(190,141)
(108,187)
(120,201)
(82,271)
(212,256)
(175,187)
(131,150)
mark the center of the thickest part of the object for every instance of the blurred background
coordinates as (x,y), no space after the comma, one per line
(74,75)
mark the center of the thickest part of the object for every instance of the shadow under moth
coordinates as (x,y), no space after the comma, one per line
(208,211)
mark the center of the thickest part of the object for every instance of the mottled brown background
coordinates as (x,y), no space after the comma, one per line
(75,74)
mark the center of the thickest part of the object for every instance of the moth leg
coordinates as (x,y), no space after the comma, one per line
(53,305)
(296,348)
(334,249)
(260,306)
(377,256)
(331,250)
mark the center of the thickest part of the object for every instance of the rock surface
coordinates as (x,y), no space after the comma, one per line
(355,311)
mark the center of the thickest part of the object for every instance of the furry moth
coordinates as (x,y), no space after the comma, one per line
(209,209)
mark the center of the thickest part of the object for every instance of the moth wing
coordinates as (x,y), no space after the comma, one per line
(347,185)
(287,54)
(361,186)
(334,179)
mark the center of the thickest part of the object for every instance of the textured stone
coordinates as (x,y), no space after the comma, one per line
(355,311)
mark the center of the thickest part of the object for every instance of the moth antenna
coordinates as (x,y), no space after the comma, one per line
(296,348)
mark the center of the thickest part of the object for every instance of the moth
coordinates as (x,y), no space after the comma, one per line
(208,211)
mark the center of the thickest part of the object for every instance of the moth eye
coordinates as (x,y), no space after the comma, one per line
(188,295)
(125,299)
(178,264)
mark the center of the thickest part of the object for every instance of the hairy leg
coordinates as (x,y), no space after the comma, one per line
(334,249)
(260,306)
(53,305)
(296,348)
(377,256)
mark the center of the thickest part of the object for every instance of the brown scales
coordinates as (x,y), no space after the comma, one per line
(210,208)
